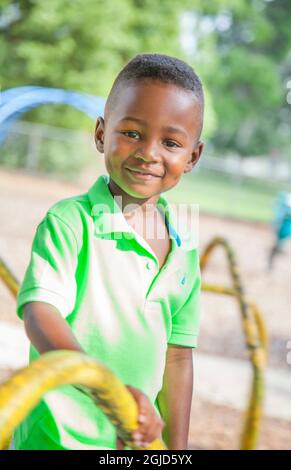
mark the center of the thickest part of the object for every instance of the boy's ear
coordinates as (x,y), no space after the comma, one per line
(194,156)
(99,134)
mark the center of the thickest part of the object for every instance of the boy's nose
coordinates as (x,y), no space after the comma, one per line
(148,153)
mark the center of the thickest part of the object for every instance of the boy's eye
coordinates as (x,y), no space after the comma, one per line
(132,134)
(136,135)
(171,143)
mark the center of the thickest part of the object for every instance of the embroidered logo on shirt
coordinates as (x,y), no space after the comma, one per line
(183,280)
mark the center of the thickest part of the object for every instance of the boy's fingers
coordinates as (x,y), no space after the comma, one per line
(139,396)
(144,405)
(150,435)
(134,391)
(141,399)
(162,424)
(149,431)
(119,443)
(142,429)
(150,424)
(156,429)
(142,419)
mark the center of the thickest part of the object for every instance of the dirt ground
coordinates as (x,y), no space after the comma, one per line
(219,428)
(24,200)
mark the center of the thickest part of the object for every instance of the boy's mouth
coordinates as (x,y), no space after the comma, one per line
(141,174)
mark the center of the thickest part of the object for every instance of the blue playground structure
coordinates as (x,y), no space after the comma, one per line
(281,223)
(16,101)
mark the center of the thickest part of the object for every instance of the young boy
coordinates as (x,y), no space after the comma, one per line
(100,279)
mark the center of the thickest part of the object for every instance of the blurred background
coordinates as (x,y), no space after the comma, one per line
(241,49)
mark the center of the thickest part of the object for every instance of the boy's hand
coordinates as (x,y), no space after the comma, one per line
(150,424)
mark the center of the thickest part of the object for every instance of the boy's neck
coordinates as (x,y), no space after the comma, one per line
(147,205)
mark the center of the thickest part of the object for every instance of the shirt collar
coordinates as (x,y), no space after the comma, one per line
(109,218)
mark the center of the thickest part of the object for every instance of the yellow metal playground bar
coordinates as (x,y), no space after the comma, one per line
(24,389)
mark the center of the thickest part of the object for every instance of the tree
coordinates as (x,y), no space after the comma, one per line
(240,48)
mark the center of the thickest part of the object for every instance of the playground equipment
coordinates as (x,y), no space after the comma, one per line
(19,100)
(255,337)
(20,393)
(281,223)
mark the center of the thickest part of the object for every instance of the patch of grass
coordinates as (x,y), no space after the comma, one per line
(226,196)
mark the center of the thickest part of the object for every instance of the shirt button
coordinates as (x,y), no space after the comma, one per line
(97,212)
(149,266)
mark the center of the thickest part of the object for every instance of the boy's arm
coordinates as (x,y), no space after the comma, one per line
(174,400)
(47,329)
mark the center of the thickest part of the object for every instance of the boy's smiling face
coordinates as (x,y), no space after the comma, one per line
(150,138)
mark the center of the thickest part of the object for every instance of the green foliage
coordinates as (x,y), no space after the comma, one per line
(241,51)
(248,78)
(63,157)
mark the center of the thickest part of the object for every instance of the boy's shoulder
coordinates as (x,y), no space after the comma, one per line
(72,213)
(78,207)
(70,209)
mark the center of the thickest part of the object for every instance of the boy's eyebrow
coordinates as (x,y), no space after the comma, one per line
(131,118)
(141,121)
(175,129)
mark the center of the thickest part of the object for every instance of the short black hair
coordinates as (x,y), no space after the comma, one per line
(158,67)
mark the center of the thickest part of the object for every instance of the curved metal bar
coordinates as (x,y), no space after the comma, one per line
(254,310)
(16,101)
(256,341)
(8,278)
(21,392)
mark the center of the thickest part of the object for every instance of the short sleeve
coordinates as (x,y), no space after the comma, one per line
(186,321)
(50,275)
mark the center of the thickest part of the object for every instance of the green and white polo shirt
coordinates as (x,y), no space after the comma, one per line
(104,279)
